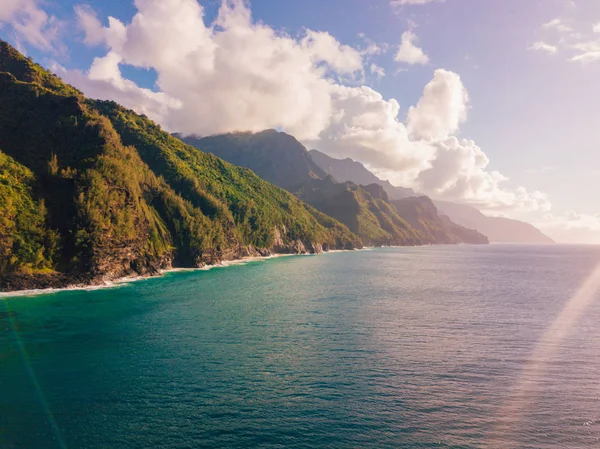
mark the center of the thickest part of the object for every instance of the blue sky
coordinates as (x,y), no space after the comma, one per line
(532,109)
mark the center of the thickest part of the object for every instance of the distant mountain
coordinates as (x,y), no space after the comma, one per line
(365,209)
(421,214)
(495,228)
(353,171)
(498,229)
(91,191)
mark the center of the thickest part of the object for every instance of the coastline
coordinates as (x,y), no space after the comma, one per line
(126,280)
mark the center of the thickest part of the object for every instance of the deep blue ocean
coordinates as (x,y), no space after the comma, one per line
(445,346)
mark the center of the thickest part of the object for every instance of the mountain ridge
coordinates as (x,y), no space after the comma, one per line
(107,193)
(365,209)
(350,170)
(497,229)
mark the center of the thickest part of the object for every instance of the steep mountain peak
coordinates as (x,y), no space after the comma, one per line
(273,155)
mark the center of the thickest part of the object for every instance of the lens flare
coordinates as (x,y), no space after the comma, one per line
(33,377)
(544,352)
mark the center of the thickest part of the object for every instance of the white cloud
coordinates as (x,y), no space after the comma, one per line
(323,47)
(423,154)
(366,127)
(372,48)
(235,74)
(557,24)
(588,51)
(408,52)
(378,71)
(459,172)
(114,35)
(544,47)
(30,23)
(441,109)
(580,47)
(231,75)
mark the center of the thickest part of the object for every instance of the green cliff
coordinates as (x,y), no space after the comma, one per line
(102,192)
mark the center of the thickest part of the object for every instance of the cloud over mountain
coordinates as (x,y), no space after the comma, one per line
(236,74)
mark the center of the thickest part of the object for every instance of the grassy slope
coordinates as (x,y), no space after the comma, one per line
(281,159)
(26,244)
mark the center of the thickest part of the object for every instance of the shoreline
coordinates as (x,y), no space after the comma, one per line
(131,279)
(121,282)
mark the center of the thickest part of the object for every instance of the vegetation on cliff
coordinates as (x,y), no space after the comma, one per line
(103,192)
(365,209)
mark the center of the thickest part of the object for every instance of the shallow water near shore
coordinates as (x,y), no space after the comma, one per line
(442,346)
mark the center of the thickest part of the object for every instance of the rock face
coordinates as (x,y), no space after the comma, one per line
(96,192)
(498,229)
(365,209)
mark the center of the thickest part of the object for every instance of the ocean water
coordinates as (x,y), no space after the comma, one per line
(458,346)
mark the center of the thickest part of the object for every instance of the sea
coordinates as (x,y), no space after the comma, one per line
(434,347)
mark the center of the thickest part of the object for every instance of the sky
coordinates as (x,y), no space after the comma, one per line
(495,103)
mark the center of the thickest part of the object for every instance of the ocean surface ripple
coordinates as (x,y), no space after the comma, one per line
(460,346)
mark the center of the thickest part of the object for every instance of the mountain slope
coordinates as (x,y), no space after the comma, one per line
(498,229)
(290,169)
(353,171)
(106,193)
(281,159)
(421,214)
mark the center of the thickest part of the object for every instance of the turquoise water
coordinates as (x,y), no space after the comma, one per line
(399,347)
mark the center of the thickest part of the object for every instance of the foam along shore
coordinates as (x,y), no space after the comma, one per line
(130,279)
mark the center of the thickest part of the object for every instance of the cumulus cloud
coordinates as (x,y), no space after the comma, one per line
(459,171)
(30,23)
(408,52)
(596,28)
(238,75)
(366,127)
(441,109)
(231,75)
(323,47)
(423,153)
(544,47)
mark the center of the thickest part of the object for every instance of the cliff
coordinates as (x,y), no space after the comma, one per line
(95,192)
